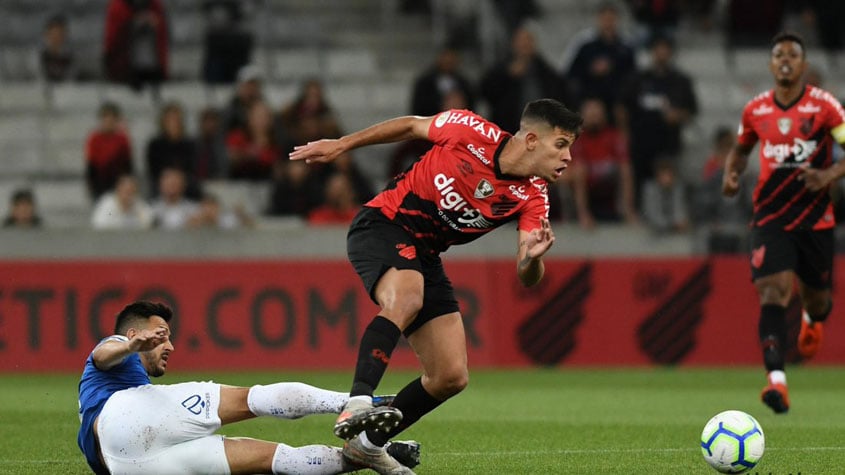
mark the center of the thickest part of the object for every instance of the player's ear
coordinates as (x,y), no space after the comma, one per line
(531,140)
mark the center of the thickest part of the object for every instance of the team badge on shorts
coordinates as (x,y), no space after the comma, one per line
(757,256)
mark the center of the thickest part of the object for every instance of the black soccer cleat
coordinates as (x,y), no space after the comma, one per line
(406,452)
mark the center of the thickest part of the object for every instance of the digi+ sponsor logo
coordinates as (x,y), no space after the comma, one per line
(799,149)
(453,201)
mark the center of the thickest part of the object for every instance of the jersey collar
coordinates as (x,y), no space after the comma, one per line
(496,168)
(787,106)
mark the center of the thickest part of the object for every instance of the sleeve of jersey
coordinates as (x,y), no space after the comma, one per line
(537,208)
(745,134)
(442,131)
(837,121)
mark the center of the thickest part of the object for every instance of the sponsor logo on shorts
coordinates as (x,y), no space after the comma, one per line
(194,404)
(758,256)
(406,251)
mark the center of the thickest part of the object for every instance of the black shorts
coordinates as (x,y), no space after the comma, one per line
(807,253)
(374,245)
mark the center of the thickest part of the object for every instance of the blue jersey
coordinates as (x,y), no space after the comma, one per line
(95,388)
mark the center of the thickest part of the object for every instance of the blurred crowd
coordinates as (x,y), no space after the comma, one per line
(634,99)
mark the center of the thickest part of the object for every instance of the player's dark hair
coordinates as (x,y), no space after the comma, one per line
(553,113)
(789,36)
(136,312)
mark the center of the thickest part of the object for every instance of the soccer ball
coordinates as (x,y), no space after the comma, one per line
(732,442)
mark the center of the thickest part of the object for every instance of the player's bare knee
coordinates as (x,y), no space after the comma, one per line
(773,294)
(450,383)
(403,307)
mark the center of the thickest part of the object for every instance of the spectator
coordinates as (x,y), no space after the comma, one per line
(122,208)
(254,149)
(823,17)
(227,46)
(107,151)
(655,18)
(723,219)
(516,12)
(250,89)
(22,212)
(752,23)
(410,151)
(664,203)
(602,61)
(211,215)
(136,42)
(523,77)
(212,161)
(439,80)
(295,189)
(56,57)
(345,164)
(656,104)
(602,179)
(172,209)
(171,148)
(340,205)
(309,116)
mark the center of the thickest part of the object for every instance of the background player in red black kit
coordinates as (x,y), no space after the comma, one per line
(474,179)
(792,227)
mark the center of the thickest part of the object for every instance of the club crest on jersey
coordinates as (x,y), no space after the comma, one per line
(784,124)
(483,189)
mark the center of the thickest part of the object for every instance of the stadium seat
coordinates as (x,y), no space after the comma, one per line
(350,63)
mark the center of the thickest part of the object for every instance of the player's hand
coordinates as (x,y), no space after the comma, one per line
(146,340)
(815,179)
(540,240)
(320,151)
(730,183)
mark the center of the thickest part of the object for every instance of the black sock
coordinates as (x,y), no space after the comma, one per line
(772,332)
(824,315)
(414,402)
(377,344)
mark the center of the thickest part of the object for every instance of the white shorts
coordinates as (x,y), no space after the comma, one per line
(163,429)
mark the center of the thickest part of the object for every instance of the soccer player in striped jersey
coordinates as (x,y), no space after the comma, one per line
(475,178)
(796,126)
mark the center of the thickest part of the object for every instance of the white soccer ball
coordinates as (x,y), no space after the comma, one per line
(732,442)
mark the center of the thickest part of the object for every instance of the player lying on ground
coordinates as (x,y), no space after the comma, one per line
(130,426)
(475,178)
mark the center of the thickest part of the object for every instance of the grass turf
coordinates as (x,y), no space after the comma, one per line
(584,421)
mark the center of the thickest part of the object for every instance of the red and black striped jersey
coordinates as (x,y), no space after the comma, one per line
(457,192)
(792,136)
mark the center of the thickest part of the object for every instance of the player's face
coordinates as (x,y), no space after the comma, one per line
(787,63)
(552,153)
(155,360)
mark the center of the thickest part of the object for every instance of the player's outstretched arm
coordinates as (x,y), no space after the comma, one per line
(735,165)
(110,353)
(393,130)
(532,245)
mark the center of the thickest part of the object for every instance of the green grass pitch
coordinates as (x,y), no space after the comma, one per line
(552,421)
